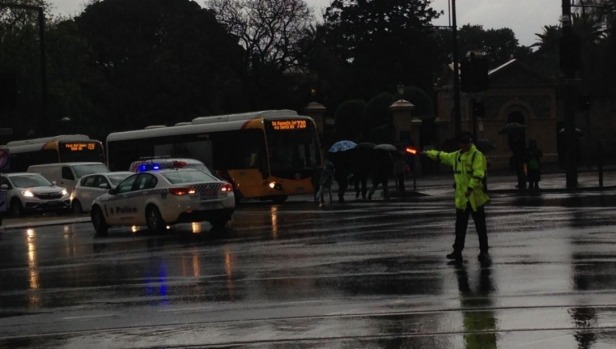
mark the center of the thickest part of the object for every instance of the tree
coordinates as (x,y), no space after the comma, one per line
(424,106)
(20,66)
(548,47)
(375,45)
(271,32)
(161,61)
(499,45)
(379,124)
(68,64)
(349,120)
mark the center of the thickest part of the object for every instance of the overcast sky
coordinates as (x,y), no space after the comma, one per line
(525,17)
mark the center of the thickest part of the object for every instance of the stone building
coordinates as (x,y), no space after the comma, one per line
(516,94)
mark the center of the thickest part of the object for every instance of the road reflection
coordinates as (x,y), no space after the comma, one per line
(480,324)
(34,296)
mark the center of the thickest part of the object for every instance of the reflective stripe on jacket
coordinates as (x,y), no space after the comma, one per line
(469,170)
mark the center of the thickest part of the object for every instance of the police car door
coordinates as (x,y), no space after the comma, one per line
(116,206)
(139,198)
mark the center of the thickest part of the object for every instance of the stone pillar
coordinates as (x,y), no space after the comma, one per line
(401,110)
(317,111)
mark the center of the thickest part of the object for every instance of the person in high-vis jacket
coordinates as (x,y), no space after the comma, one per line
(469,169)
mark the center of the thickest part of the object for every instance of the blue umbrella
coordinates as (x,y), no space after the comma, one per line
(342,146)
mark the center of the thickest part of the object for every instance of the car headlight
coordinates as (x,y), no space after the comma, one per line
(27,193)
(64,192)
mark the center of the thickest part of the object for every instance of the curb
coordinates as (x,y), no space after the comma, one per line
(31,222)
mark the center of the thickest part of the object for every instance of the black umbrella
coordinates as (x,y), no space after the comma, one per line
(485,146)
(365,145)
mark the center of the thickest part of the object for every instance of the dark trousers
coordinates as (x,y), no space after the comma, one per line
(479,217)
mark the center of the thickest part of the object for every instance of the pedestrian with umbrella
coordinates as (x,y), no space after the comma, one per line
(469,168)
(341,154)
(382,168)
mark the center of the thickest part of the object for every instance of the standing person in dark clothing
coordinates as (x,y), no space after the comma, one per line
(533,165)
(469,168)
(517,143)
(382,167)
(400,168)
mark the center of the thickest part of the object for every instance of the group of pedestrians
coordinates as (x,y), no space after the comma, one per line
(357,166)
(526,162)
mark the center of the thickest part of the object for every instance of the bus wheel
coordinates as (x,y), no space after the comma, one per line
(98,221)
(280,199)
(76,207)
(16,208)
(154,219)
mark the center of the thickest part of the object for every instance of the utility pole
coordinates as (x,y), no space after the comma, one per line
(569,64)
(456,74)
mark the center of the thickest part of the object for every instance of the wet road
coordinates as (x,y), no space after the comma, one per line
(361,274)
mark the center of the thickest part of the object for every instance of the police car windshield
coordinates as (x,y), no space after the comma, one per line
(187,176)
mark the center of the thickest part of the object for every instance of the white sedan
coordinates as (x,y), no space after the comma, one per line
(91,186)
(165,197)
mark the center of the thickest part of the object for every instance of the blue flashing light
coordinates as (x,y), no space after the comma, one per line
(148,167)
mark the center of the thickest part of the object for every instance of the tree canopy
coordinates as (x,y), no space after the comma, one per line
(125,64)
(160,61)
(374,45)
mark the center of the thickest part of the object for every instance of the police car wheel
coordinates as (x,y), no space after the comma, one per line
(98,221)
(154,219)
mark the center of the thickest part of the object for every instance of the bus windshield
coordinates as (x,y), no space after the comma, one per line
(293,149)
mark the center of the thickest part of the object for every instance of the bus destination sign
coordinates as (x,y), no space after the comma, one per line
(79,146)
(288,125)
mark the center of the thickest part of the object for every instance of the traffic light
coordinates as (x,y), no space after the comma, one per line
(474,72)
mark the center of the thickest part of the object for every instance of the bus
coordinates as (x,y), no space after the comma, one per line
(266,155)
(54,149)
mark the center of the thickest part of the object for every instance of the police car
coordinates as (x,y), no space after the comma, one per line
(159,198)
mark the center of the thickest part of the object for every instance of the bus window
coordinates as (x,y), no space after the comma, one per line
(292,152)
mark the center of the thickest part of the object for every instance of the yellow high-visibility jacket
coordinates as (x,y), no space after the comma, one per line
(469,170)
